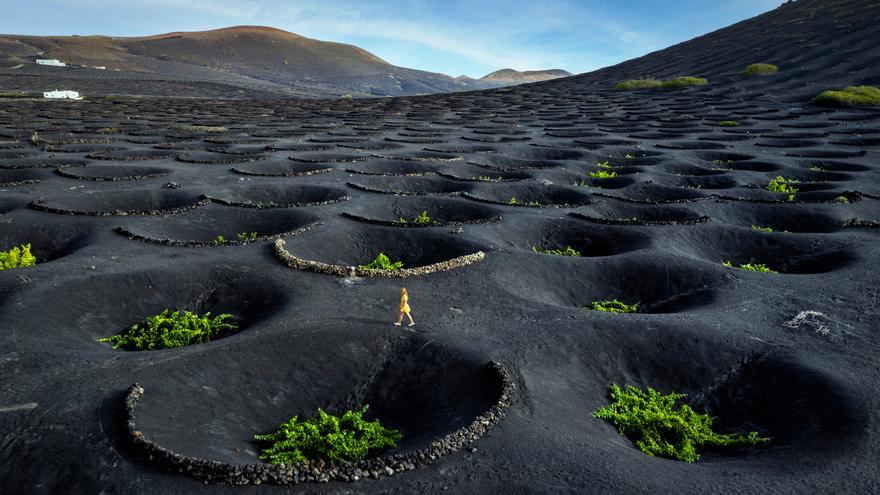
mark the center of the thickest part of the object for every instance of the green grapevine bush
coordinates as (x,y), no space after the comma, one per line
(171,329)
(329,438)
(423,219)
(17,257)
(660,429)
(614,306)
(568,251)
(782,185)
(382,262)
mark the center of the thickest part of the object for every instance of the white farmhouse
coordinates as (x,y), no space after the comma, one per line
(71,95)
(54,62)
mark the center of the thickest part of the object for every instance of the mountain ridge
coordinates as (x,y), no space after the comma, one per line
(255,57)
(511,76)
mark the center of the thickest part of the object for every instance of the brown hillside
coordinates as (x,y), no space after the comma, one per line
(260,55)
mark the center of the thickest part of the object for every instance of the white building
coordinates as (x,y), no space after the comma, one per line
(71,95)
(54,62)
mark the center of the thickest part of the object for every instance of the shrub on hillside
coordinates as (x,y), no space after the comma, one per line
(760,70)
(853,96)
(634,84)
(675,82)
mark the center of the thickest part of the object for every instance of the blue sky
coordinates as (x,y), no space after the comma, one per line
(472,37)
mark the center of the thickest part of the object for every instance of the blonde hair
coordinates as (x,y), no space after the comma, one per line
(403,290)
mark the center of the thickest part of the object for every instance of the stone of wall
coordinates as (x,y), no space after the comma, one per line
(518,205)
(277,205)
(17,183)
(316,471)
(415,225)
(482,181)
(860,222)
(119,178)
(354,271)
(231,242)
(608,221)
(38,205)
(399,193)
(304,173)
(852,196)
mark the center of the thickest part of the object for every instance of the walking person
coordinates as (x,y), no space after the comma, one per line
(404,308)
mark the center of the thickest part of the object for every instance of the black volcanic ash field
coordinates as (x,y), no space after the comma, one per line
(114,251)
(122,201)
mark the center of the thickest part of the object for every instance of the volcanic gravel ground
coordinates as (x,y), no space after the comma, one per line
(125,227)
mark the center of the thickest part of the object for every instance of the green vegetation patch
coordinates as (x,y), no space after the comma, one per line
(383,262)
(14,94)
(760,70)
(568,251)
(661,428)
(757,267)
(762,229)
(330,438)
(853,96)
(515,202)
(246,236)
(168,330)
(603,174)
(679,82)
(614,306)
(675,82)
(753,267)
(728,123)
(604,170)
(634,84)
(422,219)
(782,185)
(17,257)
(221,240)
